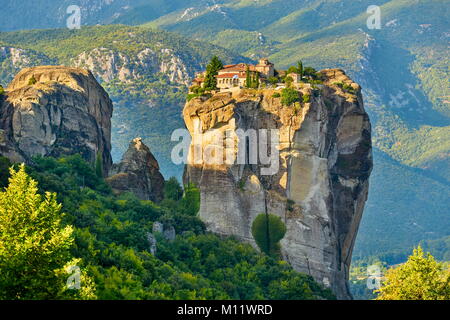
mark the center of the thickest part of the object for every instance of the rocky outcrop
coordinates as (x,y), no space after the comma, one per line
(107,64)
(138,172)
(61,111)
(324,160)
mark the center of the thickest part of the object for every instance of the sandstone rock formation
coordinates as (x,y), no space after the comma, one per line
(138,172)
(64,112)
(319,191)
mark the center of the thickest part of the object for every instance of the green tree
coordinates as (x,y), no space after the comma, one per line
(190,204)
(289,96)
(256,83)
(289,80)
(300,69)
(292,69)
(248,78)
(311,72)
(34,246)
(212,70)
(173,189)
(420,278)
(268,230)
(273,81)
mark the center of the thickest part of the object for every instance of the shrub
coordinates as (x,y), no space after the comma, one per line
(2,90)
(289,96)
(348,88)
(195,89)
(191,96)
(32,81)
(290,204)
(289,80)
(306,98)
(268,230)
(273,81)
(276,95)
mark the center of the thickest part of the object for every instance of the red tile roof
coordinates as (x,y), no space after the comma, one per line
(231,75)
(238,67)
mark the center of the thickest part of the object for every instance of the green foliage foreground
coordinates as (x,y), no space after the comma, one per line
(420,278)
(107,237)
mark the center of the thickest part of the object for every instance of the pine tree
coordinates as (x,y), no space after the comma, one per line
(212,70)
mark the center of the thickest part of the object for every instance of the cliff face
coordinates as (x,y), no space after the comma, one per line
(138,172)
(320,187)
(65,112)
(107,64)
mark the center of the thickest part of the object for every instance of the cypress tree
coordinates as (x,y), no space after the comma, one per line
(256,84)
(248,79)
(300,69)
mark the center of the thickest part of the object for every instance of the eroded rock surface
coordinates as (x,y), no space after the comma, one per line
(138,172)
(319,191)
(64,112)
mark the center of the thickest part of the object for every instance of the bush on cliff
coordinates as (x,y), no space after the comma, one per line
(268,230)
(289,96)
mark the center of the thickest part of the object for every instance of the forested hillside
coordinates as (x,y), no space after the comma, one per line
(119,250)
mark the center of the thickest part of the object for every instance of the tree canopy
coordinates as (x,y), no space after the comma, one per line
(420,278)
(110,234)
(34,245)
(268,230)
